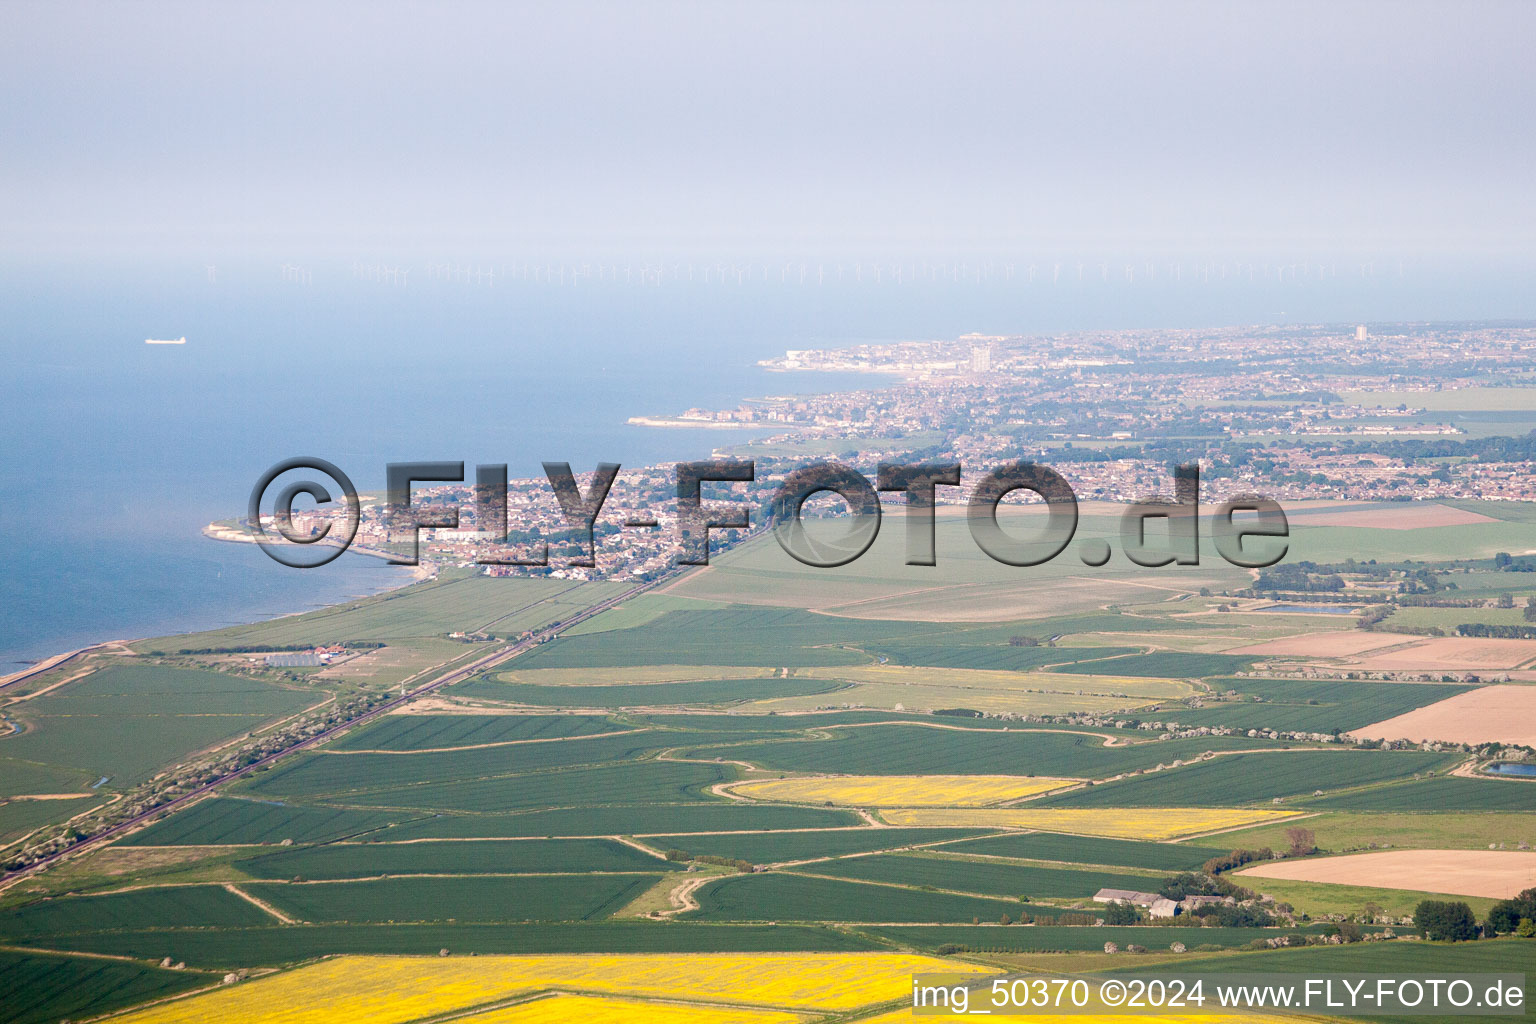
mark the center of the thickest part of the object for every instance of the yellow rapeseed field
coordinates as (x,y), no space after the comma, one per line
(1152,823)
(905,1016)
(592,1010)
(392,990)
(902,790)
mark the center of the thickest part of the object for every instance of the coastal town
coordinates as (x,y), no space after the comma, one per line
(1346,412)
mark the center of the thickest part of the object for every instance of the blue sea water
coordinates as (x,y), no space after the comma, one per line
(118,453)
(115,454)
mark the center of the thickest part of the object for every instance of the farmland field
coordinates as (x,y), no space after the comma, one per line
(427,732)
(647,781)
(1339,831)
(274,944)
(1503,714)
(985,878)
(1048,938)
(609,1010)
(1250,778)
(484,899)
(1309,705)
(127,721)
(636,819)
(776,847)
(333,773)
(1146,823)
(702,691)
(453,602)
(1438,794)
(784,897)
(200,906)
(18,817)
(368,860)
(223,821)
(536,839)
(899,791)
(927,689)
(918,750)
(1497,874)
(39,988)
(1052,846)
(396,990)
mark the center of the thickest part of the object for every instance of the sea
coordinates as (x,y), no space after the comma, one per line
(116,454)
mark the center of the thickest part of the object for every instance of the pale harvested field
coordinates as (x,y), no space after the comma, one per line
(1151,823)
(901,790)
(1495,874)
(1451,654)
(1035,599)
(1409,516)
(633,675)
(1503,714)
(396,989)
(910,688)
(1341,643)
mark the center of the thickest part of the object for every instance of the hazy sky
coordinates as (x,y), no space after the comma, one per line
(1330,127)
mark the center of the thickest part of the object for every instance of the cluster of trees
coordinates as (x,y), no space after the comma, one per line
(1236,859)
(1445,920)
(1515,916)
(1305,577)
(1452,920)
(1484,629)
(744,867)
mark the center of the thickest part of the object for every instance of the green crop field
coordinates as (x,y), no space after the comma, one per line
(451,603)
(273,945)
(472,900)
(782,897)
(43,989)
(192,906)
(1248,778)
(19,817)
(738,635)
(231,822)
(1356,830)
(956,653)
(19,777)
(776,847)
(427,732)
(639,819)
(796,722)
(649,781)
(1450,794)
(127,721)
(701,691)
(1171,664)
(914,750)
(1319,898)
(1309,705)
(1053,939)
(368,860)
(1088,850)
(322,773)
(986,878)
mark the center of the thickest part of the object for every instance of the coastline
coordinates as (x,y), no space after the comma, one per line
(214,531)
